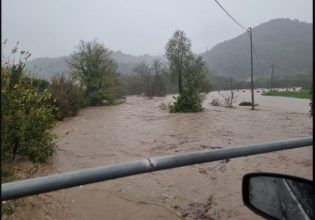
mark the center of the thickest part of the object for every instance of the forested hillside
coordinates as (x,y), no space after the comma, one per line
(47,67)
(283,42)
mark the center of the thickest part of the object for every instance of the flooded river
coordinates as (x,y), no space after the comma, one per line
(139,129)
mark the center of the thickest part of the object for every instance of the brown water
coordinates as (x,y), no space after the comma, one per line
(140,129)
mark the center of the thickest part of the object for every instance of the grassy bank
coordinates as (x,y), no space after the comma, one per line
(303,94)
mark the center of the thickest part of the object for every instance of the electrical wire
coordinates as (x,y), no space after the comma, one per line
(261,67)
(231,16)
(256,56)
(247,29)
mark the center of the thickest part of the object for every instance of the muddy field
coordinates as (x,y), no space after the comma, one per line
(140,129)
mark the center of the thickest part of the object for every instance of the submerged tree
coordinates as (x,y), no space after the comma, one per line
(158,82)
(92,66)
(178,52)
(150,78)
(189,70)
(145,75)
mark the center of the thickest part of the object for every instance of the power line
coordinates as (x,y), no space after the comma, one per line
(261,67)
(249,31)
(244,29)
(256,56)
(231,16)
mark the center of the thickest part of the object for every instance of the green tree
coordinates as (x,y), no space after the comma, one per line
(129,85)
(195,75)
(150,78)
(66,96)
(190,72)
(144,73)
(92,66)
(159,88)
(26,115)
(178,52)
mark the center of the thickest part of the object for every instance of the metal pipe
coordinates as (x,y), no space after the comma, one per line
(49,183)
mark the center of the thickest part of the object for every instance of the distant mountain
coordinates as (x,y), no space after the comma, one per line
(47,67)
(285,43)
(126,63)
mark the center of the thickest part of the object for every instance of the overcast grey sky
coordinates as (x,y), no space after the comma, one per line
(54,27)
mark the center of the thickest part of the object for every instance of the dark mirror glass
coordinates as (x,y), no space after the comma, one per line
(281,198)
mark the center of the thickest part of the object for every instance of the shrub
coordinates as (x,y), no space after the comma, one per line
(26,117)
(228,100)
(9,207)
(189,101)
(247,104)
(215,102)
(67,97)
(39,84)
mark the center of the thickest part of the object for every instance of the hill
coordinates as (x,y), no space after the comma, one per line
(47,67)
(285,43)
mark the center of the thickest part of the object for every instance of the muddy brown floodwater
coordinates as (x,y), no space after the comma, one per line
(140,128)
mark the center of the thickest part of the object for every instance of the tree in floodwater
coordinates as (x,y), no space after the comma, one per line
(178,52)
(92,66)
(158,83)
(150,78)
(144,72)
(189,69)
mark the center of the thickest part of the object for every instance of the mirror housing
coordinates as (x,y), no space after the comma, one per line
(278,196)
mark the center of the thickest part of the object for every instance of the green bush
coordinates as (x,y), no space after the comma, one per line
(92,64)
(66,97)
(26,117)
(245,103)
(189,101)
(39,84)
(9,207)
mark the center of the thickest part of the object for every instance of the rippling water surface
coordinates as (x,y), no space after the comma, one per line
(140,129)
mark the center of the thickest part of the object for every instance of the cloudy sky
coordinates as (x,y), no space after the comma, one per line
(51,28)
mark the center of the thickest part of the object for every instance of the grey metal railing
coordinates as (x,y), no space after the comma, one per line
(49,183)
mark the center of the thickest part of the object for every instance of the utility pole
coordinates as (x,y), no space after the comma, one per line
(232,94)
(251,67)
(272,77)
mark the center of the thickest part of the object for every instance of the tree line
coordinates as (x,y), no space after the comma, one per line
(30,106)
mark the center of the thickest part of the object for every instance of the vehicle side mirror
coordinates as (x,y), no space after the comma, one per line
(277,196)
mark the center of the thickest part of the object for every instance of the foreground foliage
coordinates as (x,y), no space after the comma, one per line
(26,117)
